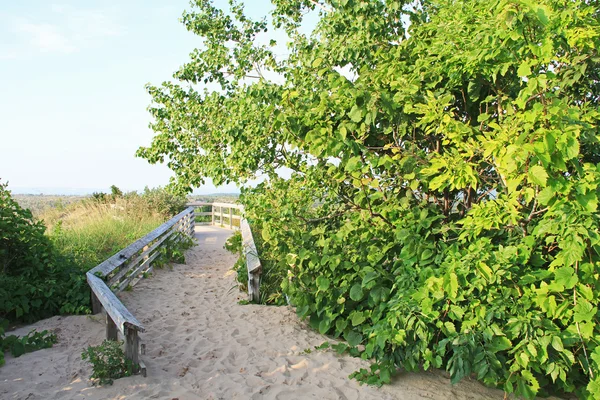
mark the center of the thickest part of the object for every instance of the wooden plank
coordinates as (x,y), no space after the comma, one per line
(110,264)
(254,286)
(120,315)
(119,275)
(252,261)
(230,218)
(200,204)
(143,266)
(142,370)
(132,346)
(96,305)
(111,329)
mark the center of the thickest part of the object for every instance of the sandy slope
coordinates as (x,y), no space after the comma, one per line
(202,345)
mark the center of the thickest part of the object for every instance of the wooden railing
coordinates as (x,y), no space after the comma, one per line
(233,213)
(127,267)
(124,270)
(225,215)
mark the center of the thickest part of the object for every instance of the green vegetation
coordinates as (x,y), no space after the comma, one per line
(20,345)
(95,229)
(173,249)
(442,208)
(39,203)
(36,280)
(234,245)
(43,274)
(108,362)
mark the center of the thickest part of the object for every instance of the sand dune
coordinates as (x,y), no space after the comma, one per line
(201,344)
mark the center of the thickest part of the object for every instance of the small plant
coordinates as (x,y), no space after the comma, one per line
(173,249)
(108,362)
(20,345)
(234,243)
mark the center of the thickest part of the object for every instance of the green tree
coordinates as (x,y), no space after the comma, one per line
(442,204)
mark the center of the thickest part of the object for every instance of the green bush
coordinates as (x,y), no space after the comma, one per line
(441,209)
(108,362)
(36,281)
(43,274)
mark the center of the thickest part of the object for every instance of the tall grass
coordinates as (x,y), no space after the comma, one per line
(43,270)
(90,231)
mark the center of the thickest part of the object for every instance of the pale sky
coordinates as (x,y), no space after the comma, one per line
(72,98)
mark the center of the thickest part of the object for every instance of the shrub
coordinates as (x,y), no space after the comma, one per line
(108,362)
(441,206)
(36,281)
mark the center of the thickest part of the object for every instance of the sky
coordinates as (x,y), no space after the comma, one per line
(72,97)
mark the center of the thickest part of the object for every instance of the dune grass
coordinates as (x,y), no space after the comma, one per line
(91,231)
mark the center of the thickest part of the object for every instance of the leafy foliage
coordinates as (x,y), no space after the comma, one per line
(108,362)
(20,345)
(234,245)
(43,274)
(441,208)
(36,281)
(173,249)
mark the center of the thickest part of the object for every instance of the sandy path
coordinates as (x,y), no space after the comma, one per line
(201,344)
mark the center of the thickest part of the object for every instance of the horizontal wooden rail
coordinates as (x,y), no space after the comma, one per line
(125,269)
(249,247)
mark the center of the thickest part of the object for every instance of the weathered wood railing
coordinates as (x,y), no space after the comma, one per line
(234,214)
(225,215)
(125,269)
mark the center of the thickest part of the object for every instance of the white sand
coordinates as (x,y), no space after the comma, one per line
(201,344)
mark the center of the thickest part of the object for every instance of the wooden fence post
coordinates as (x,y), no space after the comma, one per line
(213,214)
(96,305)
(230,217)
(254,286)
(193,224)
(111,328)
(132,346)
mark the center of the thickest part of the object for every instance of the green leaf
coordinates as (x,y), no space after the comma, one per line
(324,326)
(266,235)
(369,278)
(356,292)
(353,338)
(355,114)
(353,164)
(322,283)
(499,343)
(557,344)
(524,69)
(451,285)
(358,317)
(584,311)
(566,277)
(538,175)
(546,195)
